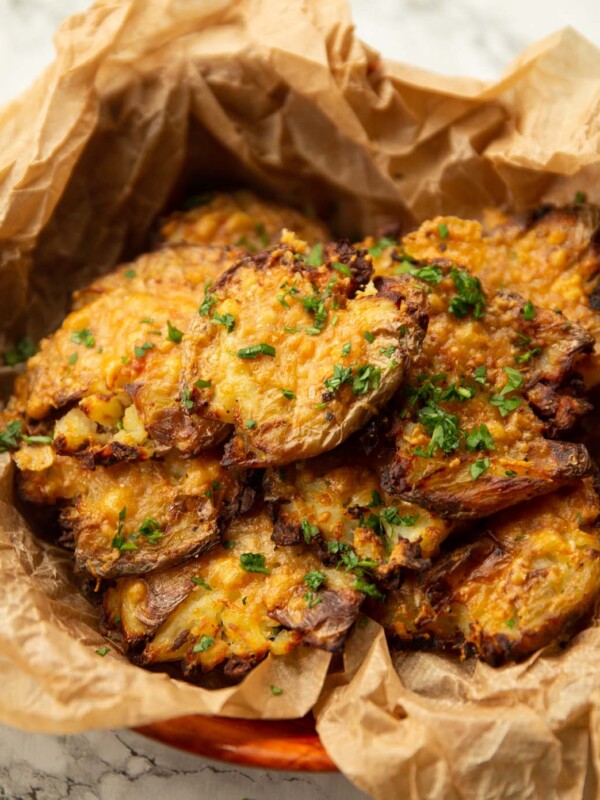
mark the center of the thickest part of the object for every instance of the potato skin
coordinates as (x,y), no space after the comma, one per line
(310,322)
(189,500)
(517,585)
(162,616)
(240,219)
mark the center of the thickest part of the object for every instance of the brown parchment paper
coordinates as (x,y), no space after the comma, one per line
(146,101)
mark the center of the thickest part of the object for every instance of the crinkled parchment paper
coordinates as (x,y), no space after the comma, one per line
(147,101)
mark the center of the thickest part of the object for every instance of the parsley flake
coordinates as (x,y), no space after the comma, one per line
(227,320)
(309,530)
(102,651)
(203,644)
(201,582)
(276,690)
(174,334)
(288,394)
(254,562)
(256,350)
(469,297)
(141,350)
(84,337)
(314,580)
(478,468)
(529,311)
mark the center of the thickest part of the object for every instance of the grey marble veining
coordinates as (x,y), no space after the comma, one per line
(470,37)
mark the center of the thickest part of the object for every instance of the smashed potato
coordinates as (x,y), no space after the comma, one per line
(129,519)
(240,220)
(517,585)
(297,356)
(235,605)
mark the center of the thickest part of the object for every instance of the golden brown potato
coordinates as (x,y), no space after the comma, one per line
(132,518)
(180,269)
(336,502)
(551,256)
(236,604)
(468,442)
(519,584)
(119,359)
(296,356)
(242,220)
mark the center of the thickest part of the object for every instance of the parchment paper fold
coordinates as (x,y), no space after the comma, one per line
(147,101)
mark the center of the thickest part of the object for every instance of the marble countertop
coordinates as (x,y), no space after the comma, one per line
(467,37)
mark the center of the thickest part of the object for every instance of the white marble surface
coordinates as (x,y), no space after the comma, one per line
(469,37)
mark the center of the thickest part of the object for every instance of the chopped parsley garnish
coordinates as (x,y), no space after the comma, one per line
(367,377)
(84,337)
(342,268)
(469,295)
(141,350)
(276,690)
(510,473)
(443,230)
(315,259)
(529,311)
(380,245)
(524,358)
(362,585)
(204,643)
(479,467)
(369,337)
(505,405)
(314,580)
(102,651)
(340,375)
(312,599)
(251,423)
(9,437)
(254,562)
(129,274)
(201,582)
(309,530)
(150,528)
(208,302)
(346,348)
(312,331)
(288,394)
(443,428)
(24,349)
(430,274)
(480,375)
(480,439)
(202,384)
(580,197)
(388,352)
(119,540)
(186,399)
(261,232)
(37,439)
(227,320)
(388,518)
(376,500)
(515,380)
(256,350)
(174,334)
(511,623)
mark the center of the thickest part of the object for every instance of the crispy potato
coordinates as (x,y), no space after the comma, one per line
(213,611)
(468,442)
(114,351)
(293,357)
(518,585)
(176,270)
(132,518)
(551,256)
(336,499)
(240,219)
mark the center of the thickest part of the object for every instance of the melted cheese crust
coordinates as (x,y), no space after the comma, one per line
(242,220)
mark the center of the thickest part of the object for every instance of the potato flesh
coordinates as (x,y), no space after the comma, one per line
(242,220)
(517,586)
(236,612)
